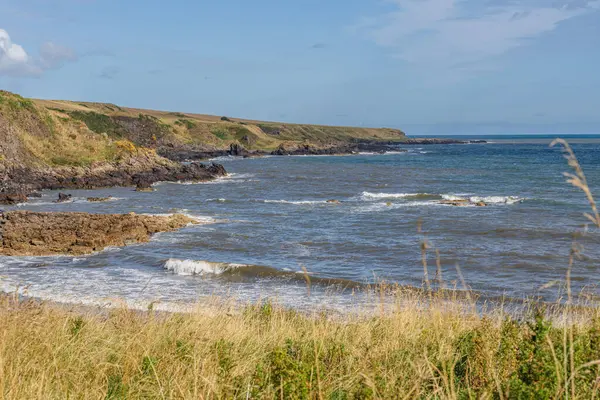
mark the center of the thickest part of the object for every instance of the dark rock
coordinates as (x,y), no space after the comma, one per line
(236,149)
(63,198)
(246,139)
(12,198)
(141,172)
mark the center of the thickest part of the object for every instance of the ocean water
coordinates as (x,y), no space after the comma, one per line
(270,219)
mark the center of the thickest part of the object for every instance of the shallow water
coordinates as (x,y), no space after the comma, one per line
(271,218)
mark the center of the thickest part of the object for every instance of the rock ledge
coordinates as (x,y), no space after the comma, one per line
(26,233)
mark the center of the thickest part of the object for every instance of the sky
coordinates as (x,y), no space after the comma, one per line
(424,66)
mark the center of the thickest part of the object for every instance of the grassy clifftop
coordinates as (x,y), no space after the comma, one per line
(66,133)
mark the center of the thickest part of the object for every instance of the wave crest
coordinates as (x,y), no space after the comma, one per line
(199,267)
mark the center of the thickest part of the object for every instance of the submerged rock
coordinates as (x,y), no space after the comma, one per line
(144,188)
(98,199)
(463,203)
(63,198)
(45,233)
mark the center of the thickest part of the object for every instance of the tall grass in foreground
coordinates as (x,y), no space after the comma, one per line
(427,345)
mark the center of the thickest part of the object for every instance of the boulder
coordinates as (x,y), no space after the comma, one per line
(63,198)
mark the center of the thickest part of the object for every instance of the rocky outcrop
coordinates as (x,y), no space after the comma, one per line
(141,171)
(421,141)
(236,149)
(44,233)
(12,198)
(288,149)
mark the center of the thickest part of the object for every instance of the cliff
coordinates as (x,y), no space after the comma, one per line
(44,147)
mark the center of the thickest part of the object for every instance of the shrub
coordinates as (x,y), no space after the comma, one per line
(125,146)
(99,123)
(185,122)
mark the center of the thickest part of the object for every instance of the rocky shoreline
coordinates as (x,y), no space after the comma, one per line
(294,148)
(26,233)
(19,183)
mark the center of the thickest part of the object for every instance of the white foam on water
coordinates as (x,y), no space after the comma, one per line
(497,199)
(200,218)
(299,202)
(453,197)
(369,195)
(229,178)
(199,267)
(386,153)
(485,199)
(400,200)
(226,158)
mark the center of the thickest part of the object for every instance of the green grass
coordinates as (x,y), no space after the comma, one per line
(185,122)
(99,123)
(220,132)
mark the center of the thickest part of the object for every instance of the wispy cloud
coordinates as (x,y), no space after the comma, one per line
(53,55)
(460,32)
(15,61)
(109,72)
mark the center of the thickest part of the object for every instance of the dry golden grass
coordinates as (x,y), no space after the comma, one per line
(418,349)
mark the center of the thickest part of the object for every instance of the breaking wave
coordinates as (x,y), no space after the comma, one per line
(299,202)
(199,267)
(237,272)
(485,199)
(368,195)
(443,199)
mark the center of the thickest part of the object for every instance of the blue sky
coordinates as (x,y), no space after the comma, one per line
(426,66)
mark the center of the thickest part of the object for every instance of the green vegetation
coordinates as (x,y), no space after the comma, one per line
(99,123)
(178,114)
(185,122)
(220,132)
(415,350)
(270,129)
(15,102)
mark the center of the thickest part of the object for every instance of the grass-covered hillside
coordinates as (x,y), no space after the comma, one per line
(66,133)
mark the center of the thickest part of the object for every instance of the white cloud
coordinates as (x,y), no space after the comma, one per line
(15,61)
(13,58)
(459,32)
(53,55)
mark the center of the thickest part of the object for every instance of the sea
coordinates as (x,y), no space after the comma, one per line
(315,231)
